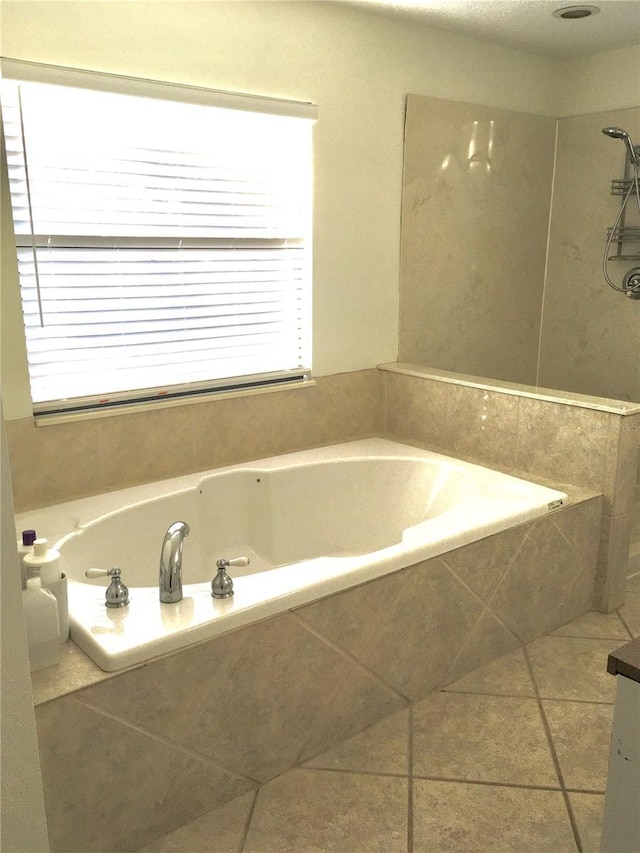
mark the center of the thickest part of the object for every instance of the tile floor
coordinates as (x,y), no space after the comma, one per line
(512,757)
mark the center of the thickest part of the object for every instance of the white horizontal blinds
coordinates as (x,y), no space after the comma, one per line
(160,243)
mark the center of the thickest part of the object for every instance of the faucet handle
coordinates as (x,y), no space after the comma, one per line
(117,594)
(236,561)
(222,585)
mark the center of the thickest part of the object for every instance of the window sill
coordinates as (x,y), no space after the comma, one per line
(155,405)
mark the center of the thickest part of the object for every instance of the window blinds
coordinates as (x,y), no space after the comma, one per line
(163,246)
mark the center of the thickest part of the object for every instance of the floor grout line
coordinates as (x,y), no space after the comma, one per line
(554,755)
(247,824)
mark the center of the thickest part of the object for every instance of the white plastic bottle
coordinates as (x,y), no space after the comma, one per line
(43,628)
(44,561)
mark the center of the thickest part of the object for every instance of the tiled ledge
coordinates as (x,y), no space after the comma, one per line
(584,401)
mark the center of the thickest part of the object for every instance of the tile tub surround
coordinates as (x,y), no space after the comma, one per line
(221,718)
(564,438)
(59,462)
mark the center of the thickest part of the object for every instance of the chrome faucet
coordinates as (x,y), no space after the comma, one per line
(171,562)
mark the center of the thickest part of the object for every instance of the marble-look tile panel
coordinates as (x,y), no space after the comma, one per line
(581,733)
(590,339)
(255,701)
(319,810)
(436,613)
(450,817)
(481,738)
(630,612)
(159,786)
(474,227)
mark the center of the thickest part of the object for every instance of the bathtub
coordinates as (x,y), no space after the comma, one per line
(312,523)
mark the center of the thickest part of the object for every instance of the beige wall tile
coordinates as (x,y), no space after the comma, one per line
(613,558)
(157,786)
(565,443)
(145,446)
(255,701)
(416,409)
(541,573)
(483,424)
(436,613)
(54,463)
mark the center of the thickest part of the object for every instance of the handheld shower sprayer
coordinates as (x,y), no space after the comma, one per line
(618,133)
(620,231)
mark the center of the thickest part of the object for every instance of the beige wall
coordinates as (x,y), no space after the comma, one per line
(357,67)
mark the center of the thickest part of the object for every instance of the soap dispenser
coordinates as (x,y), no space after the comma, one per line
(45,562)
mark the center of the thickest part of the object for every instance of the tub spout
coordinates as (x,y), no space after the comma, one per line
(171,562)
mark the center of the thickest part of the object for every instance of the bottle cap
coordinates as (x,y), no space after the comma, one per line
(40,547)
(34,583)
(28,537)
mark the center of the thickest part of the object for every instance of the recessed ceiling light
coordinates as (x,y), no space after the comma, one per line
(573,12)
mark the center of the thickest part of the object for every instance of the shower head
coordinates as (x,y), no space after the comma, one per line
(618,133)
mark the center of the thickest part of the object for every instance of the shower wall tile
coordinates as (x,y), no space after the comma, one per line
(474,231)
(590,341)
(109,786)
(62,462)
(254,701)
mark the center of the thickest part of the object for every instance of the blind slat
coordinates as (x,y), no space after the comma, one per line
(170,241)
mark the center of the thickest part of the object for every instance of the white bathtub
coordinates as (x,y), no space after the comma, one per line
(312,523)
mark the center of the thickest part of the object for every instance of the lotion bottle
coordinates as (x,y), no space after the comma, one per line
(44,561)
(43,629)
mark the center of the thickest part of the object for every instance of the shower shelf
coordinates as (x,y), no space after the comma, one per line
(621,235)
(620,186)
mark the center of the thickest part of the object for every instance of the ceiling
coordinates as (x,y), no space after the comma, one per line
(523,24)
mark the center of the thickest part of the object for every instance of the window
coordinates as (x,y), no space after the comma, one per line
(163,236)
